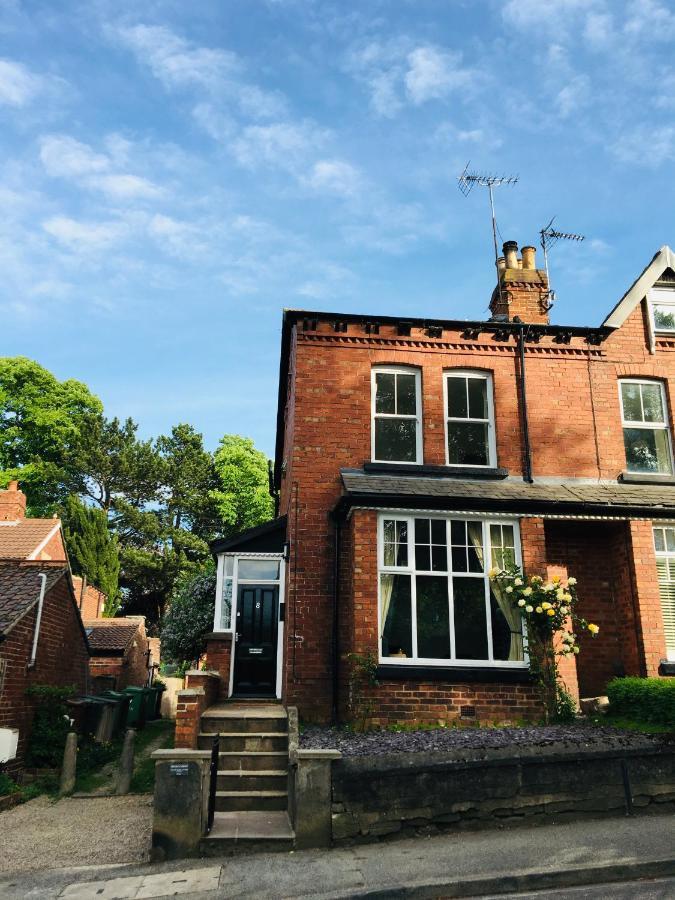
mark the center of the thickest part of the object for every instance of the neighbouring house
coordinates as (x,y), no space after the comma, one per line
(415,453)
(120,653)
(90,601)
(42,642)
(33,540)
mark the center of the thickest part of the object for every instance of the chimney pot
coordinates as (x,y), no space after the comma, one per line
(501,264)
(529,257)
(511,254)
(13,486)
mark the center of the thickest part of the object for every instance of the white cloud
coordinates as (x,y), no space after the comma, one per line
(526,14)
(83,235)
(64,157)
(433,74)
(333,176)
(648,146)
(18,85)
(650,19)
(573,96)
(283,144)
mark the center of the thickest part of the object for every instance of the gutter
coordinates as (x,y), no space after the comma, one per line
(38,619)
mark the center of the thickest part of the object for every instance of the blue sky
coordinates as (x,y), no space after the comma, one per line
(173,174)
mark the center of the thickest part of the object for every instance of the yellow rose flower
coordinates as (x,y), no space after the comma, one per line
(556,579)
(527,592)
(545,605)
(550,612)
(571,581)
(594,629)
(538,609)
(494,571)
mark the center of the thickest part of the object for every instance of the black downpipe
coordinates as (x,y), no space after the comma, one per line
(274,493)
(336,622)
(527,474)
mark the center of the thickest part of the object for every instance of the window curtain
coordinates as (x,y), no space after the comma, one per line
(386,590)
(509,611)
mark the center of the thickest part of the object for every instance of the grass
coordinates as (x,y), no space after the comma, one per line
(629,724)
(159,734)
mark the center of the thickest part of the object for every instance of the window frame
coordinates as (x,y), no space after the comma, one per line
(491,430)
(655,298)
(418,417)
(664,554)
(647,426)
(451,661)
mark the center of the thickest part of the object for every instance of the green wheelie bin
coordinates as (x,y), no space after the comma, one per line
(137,706)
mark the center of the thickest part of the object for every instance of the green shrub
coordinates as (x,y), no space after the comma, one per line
(51,724)
(7,785)
(645,699)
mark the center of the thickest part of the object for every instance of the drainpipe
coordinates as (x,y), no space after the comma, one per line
(36,635)
(336,621)
(274,493)
(527,473)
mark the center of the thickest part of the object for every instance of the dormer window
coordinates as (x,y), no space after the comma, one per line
(396,415)
(662,309)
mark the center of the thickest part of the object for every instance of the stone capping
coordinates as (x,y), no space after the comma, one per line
(191,692)
(181,753)
(319,754)
(220,636)
(211,673)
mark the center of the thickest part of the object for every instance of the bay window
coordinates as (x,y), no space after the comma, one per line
(436,602)
(469,419)
(646,432)
(664,545)
(396,415)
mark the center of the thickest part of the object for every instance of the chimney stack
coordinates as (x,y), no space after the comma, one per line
(12,503)
(522,289)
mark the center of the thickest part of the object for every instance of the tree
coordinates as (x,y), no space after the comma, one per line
(42,421)
(92,549)
(189,617)
(243,500)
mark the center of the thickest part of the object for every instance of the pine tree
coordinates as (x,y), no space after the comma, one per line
(93,550)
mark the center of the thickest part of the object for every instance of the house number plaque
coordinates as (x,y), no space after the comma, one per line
(178,768)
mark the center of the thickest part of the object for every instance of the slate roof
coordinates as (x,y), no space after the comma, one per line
(266,538)
(563,498)
(110,636)
(18,540)
(20,589)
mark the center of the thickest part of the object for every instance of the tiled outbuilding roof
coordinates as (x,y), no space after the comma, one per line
(563,498)
(20,539)
(110,636)
(20,589)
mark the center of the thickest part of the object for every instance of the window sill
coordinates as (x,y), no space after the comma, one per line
(485,674)
(645,478)
(436,471)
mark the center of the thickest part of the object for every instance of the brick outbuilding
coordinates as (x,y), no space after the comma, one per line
(120,652)
(414,453)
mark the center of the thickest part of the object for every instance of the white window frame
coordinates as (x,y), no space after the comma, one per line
(418,418)
(410,570)
(648,426)
(236,581)
(490,421)
(660,296)
(664,554)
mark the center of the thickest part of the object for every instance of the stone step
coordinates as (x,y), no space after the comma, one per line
(246,832)
(262,780)
(242,724)
(253,761)
(251,801)
(262,742)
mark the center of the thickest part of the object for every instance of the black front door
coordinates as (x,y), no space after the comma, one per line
(255,651)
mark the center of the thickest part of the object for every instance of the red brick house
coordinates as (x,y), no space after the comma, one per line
(120,653)
(412,454)
(42,641)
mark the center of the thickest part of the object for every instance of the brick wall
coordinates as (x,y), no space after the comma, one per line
(54,550)
(62,660)
(91,604)
(218,656)
(575,431)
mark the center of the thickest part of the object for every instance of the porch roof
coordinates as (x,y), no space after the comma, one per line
(571,498)
(266,538)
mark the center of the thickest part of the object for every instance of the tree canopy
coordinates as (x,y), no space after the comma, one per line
(160,500)
(189,617)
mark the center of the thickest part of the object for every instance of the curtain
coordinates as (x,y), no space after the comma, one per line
(509,611)
(386,590)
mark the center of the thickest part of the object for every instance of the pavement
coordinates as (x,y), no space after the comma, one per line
(512,861)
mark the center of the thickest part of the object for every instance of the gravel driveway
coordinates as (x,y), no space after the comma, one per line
(43,834)
(475,741)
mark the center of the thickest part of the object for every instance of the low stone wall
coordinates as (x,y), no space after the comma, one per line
(427,792)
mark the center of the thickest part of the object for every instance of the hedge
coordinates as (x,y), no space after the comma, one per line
(646,699)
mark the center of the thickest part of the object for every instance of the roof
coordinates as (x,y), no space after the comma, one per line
(574,498)
(110,636)
(20,590)
(269,537)
(663,259)
(22,539)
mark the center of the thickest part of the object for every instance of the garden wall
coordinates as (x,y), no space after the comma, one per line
(412,792)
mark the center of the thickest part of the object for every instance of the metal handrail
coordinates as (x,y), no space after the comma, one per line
(213,782)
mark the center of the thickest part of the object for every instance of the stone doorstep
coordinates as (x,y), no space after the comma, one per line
(235,710)
(251,825)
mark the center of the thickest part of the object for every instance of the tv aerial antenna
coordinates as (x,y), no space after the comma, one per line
(469,179)
(550,236)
